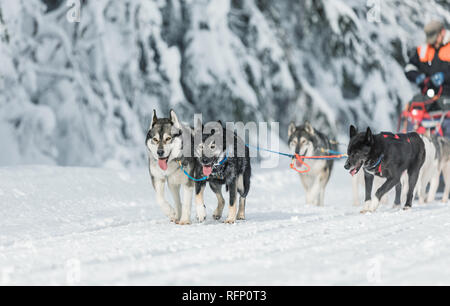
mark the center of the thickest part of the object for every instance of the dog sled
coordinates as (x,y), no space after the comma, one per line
(428,110)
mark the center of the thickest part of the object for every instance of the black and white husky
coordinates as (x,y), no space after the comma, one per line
(437,161)
(304,140)
(165,154)
(224,160)
(388,156)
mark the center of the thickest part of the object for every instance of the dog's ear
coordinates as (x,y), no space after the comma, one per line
(369,137)
(309,128)
(154,119)
(353,131)
(291,129)
(174,119)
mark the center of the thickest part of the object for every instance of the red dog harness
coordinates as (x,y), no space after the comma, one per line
(395,136)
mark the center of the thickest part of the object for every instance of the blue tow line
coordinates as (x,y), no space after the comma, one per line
(205,177)
(306,157)
(192,178)
(270,151)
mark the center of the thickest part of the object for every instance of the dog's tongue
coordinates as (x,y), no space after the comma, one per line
(162,164)
(353,172)
(207,170)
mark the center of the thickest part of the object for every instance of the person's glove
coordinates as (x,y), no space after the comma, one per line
(437,79)
(420,78)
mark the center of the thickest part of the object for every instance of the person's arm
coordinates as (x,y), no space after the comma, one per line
(412,71)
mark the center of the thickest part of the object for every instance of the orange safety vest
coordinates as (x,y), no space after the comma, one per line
(427,52)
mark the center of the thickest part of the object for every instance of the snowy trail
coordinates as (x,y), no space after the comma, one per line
(96,226)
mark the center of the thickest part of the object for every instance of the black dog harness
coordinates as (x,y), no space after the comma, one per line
(377,165)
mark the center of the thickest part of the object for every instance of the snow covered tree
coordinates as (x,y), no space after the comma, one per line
(81,93)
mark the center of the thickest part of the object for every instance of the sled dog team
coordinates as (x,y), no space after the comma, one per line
(190,158)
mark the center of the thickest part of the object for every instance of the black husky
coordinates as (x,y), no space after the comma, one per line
(385,155)
(224,160)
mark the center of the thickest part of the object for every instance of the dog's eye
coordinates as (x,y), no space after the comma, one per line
(212,146)
(155,140)
(168,139)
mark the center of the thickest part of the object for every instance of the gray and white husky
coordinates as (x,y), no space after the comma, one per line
(442,161)
(307,141)
(165,154)
(429,174)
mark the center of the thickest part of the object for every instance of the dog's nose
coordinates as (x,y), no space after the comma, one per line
(347,166)
(160,152)
(205,160)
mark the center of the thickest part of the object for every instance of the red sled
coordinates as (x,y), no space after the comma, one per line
(427,111)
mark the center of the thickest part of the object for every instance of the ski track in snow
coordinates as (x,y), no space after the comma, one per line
(107,223)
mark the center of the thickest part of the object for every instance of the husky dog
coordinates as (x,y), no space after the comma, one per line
(165,154)
(429,174)
(304,140)
(224,160)
(385,155)
(442,145)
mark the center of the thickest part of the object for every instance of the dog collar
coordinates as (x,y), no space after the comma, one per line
(376,164)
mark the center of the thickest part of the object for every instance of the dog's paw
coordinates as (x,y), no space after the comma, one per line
(229,221)
(173,216)
(184,222)
(241,217)
(366,207)
(367,210)
(217,215)
(201,214)
(396,206)
(407,208)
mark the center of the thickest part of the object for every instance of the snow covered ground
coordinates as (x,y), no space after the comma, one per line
(98,226)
